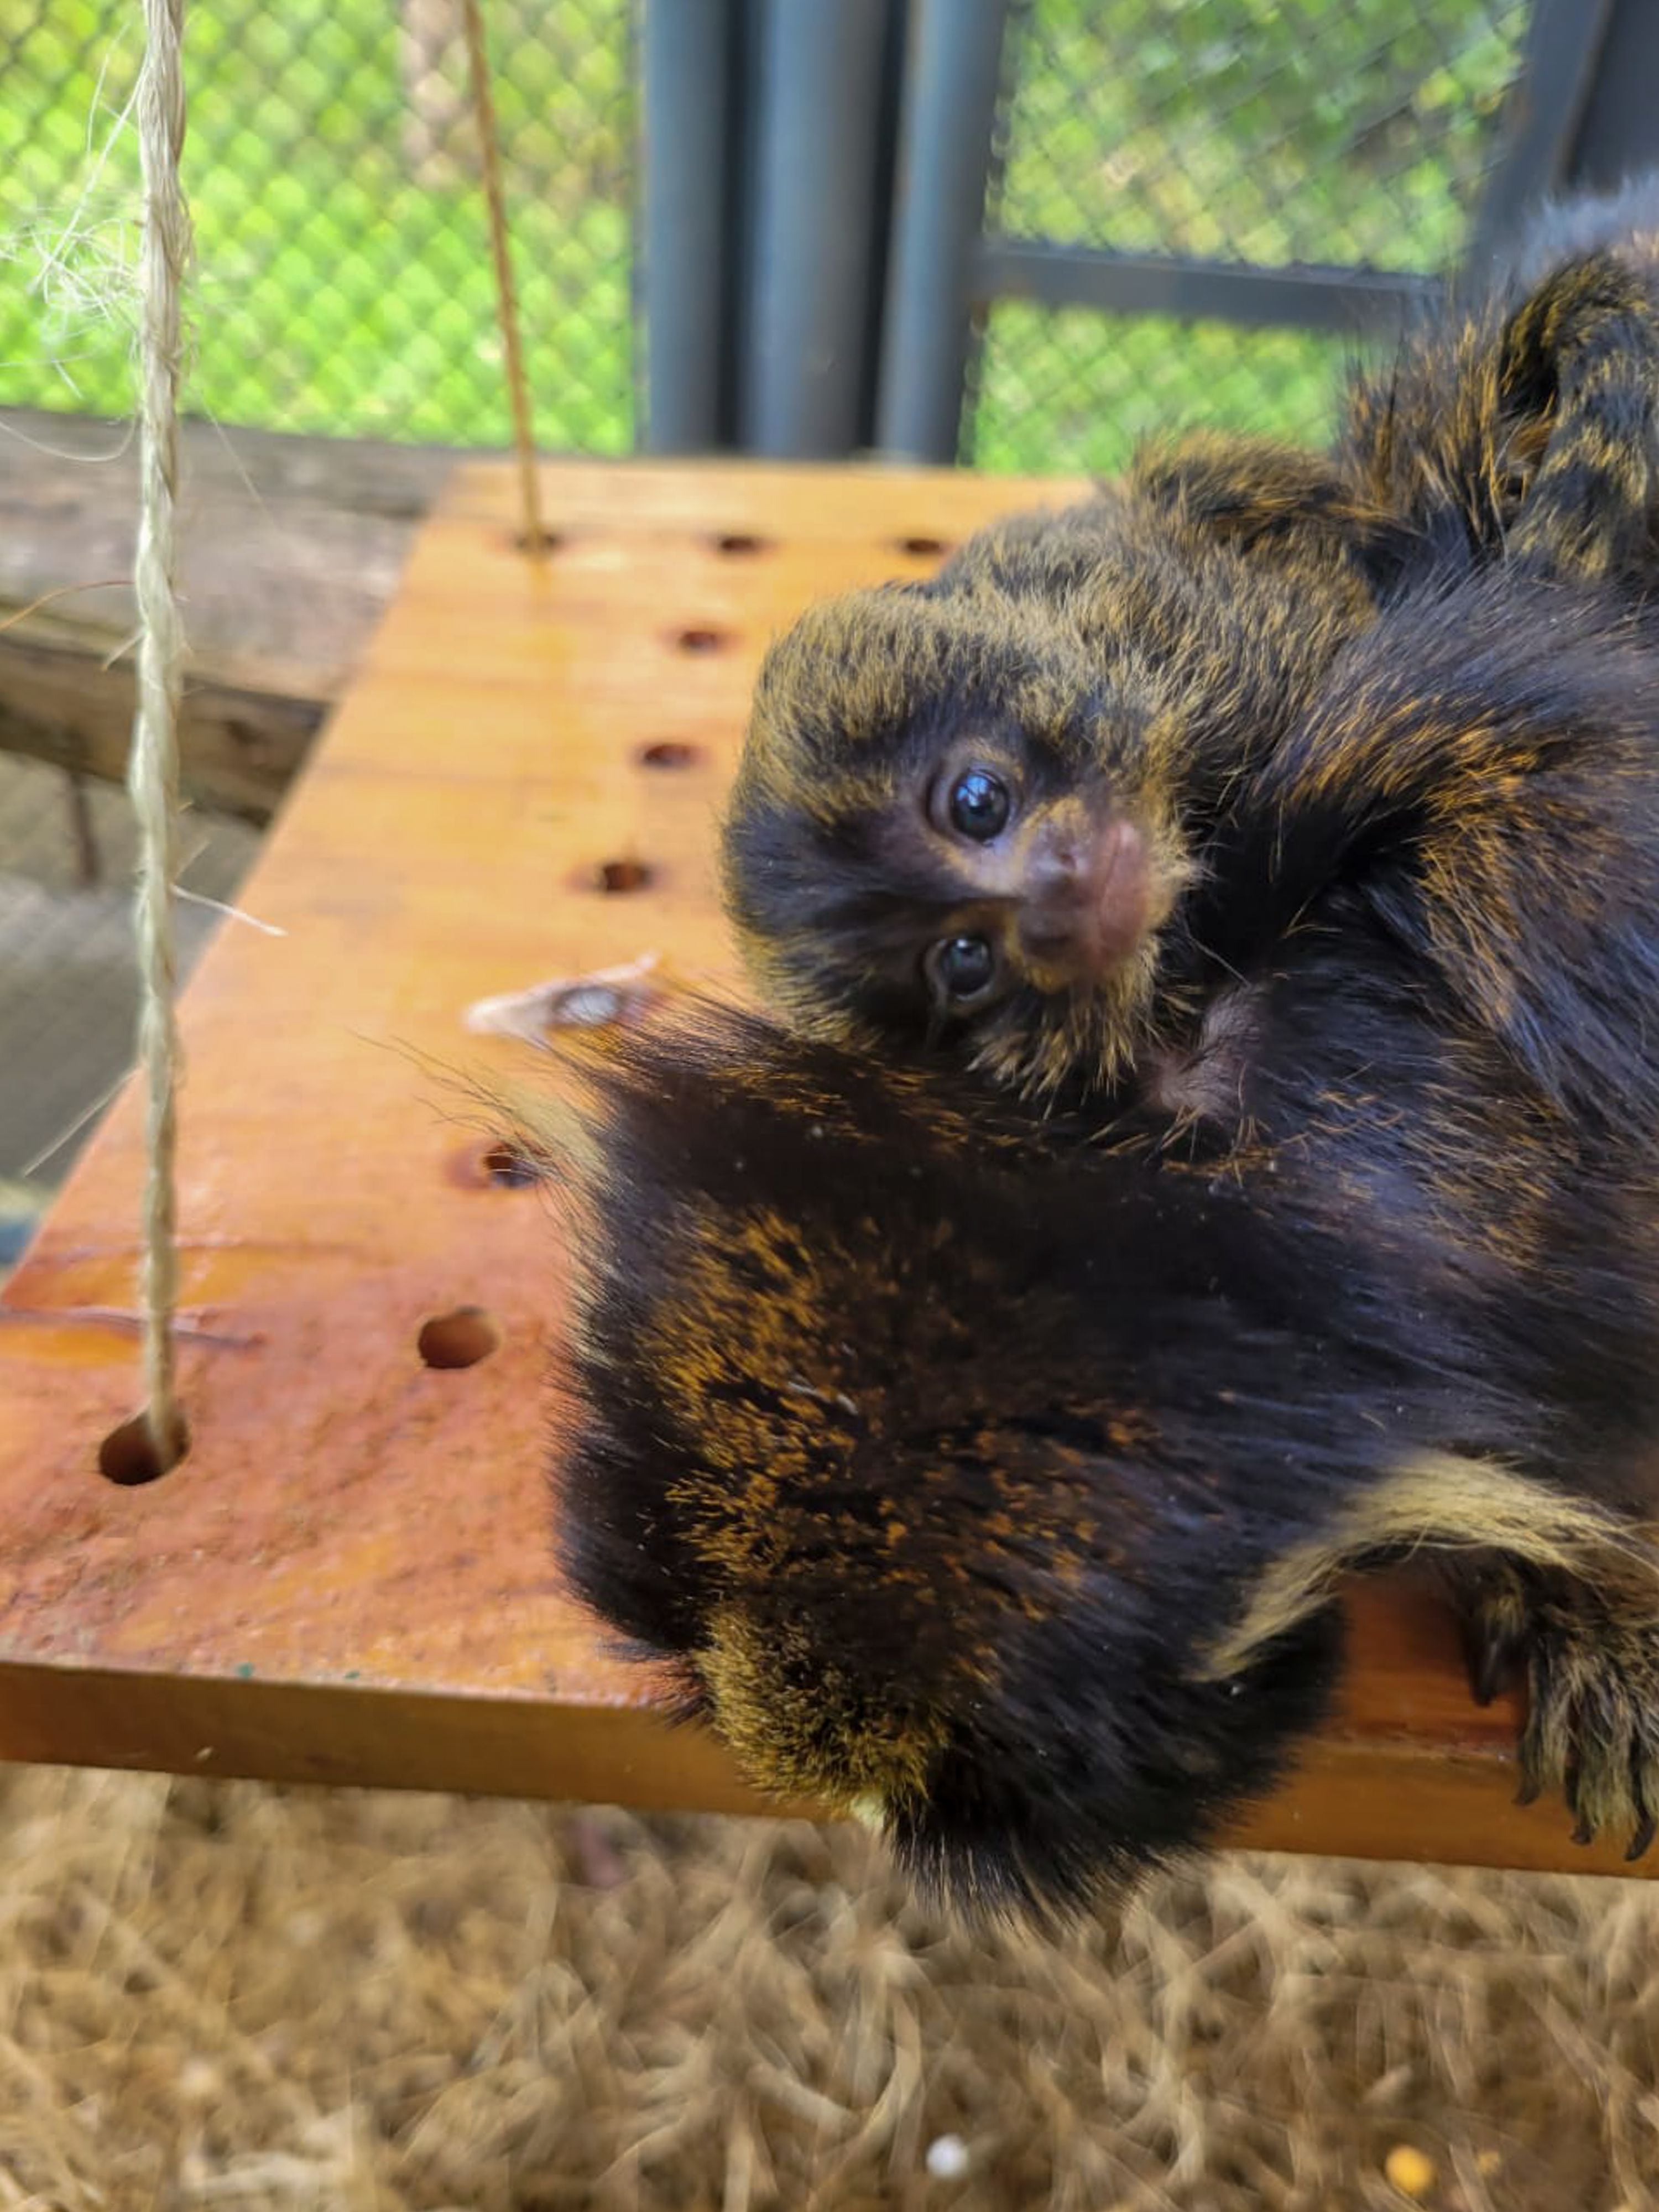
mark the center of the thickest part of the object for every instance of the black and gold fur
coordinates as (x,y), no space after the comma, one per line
(1148,657)
(990,1470)
(1519,420)
(1098,650)
(994,1485)
(992,1473)
(1477,785)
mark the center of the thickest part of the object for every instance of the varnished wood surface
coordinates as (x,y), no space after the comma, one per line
(349,1578)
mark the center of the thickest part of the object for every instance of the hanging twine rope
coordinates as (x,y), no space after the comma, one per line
(153,769)
(506,303)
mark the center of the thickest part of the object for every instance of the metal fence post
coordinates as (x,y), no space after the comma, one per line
(1618,131)
(952,81)
(1558,67)
(689,59)
(819,121)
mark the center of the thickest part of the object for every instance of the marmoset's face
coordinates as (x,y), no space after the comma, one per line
(968,861)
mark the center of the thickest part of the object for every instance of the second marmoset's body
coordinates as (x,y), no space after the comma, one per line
(995,1488)
(996,820)
(1522,418)
(994,1483)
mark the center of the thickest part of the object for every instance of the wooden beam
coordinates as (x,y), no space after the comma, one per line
(292,551)
(349,1579)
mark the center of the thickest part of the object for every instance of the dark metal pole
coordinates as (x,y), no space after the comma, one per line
(1619,129)
(1564,45)
(945,161)
(687,68)
(1306,298)
(819,120)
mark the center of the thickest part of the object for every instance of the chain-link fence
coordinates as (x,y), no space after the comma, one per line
(69,982)
(343,286)
(1354,133)
(343,280)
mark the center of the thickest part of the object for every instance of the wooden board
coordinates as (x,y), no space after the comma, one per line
(291,549)
(349,1578)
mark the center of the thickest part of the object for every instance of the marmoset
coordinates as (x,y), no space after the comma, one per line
(994,818)
(994,1488)
(995,1480)
(1522,421)
(1515,420)
(992,1482)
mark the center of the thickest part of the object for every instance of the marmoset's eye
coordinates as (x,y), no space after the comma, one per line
(961,969)
(979,805)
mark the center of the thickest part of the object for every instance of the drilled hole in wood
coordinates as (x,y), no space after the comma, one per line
(128,1456)
(495,1166)
(924,548)
(545,541)
(460,1338)
(702,641)
(741,541)
(669,752)
(507,1169)
(622,875)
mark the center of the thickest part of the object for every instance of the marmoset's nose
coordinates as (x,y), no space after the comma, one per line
(1085,903)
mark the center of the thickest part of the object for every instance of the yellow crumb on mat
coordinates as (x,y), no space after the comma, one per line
(1410,2172)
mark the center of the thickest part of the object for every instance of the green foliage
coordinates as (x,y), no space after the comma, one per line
(1266,131)
(1078,391)
(343,280)
(1272,132)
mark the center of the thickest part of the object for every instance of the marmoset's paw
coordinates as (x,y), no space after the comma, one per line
(1591,1667)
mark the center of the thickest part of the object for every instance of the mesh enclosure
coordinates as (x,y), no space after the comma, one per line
(1069,390)
(343,286)
(343,282)
(69,982)
(1355,133)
